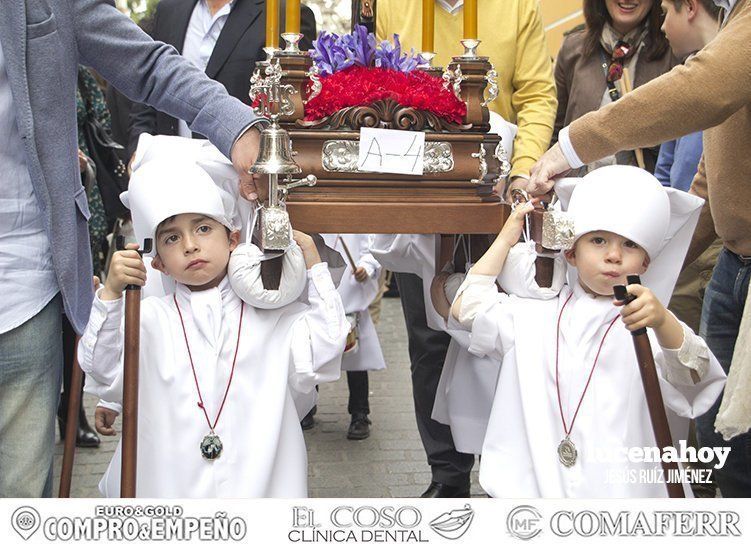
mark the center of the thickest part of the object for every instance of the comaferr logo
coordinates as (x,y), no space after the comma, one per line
(524,522)
(664,523)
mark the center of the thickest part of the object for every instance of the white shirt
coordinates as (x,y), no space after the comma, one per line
(727,5)
(200,40)
(448,7)
(27,277)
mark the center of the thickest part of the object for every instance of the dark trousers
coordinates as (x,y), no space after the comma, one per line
(427,353)
(357,380)
(721,315)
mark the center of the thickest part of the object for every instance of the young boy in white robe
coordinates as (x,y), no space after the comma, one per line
(569,377)
(216,414)
(358,289)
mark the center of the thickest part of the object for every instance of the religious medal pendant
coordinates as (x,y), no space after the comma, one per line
(211,446)
(567,452)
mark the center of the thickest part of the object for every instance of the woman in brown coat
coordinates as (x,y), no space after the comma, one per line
(589,70)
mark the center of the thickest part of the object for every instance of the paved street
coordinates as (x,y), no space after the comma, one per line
(391,463)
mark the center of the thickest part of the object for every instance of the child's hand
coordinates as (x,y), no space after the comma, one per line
(361,274)
(308,247)
(126,268)
(512,229)
(104,419)
(645,311)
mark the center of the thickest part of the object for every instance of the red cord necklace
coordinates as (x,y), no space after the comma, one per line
(211,446)
(566,450)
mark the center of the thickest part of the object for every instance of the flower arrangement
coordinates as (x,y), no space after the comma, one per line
(355,71)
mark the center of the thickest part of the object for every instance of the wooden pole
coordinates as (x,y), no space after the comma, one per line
(652,391)
(352,263)
(130,392)
(130,384)
(71,426)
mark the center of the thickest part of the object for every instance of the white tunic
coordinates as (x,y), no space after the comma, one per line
(264,453)
(519,455)
(466,389)
(357,297)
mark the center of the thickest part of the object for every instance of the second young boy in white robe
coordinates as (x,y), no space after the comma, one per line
(569,375)
(358,288)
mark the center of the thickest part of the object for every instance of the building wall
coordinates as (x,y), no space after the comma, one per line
(560,16)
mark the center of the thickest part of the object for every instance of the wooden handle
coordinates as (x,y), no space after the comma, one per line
(656,407)
(130,393)
(71,426)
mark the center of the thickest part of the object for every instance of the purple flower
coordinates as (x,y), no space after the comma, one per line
(390,57)
(328,53)
(333,53)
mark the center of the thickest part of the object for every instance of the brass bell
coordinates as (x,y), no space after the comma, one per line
(275,153)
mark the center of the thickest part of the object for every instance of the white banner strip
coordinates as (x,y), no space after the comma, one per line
(275,521)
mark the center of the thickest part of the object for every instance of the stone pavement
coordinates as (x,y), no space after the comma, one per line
(391,463)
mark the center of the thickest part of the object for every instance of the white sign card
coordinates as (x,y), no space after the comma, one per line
(391,151)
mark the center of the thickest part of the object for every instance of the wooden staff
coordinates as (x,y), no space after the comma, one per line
(71,425)
(349,255)
(652,390)
(130,383)
(627,88)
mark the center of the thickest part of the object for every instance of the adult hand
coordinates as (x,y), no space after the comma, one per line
(516,183)
(104,419)
(551,164)
(244,155)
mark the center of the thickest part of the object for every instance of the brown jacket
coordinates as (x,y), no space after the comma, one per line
(580,82)
(711,92)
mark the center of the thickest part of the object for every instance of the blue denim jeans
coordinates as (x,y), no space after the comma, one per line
(721,315)
(31,362)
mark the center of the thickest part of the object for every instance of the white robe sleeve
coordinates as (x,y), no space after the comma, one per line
(482,313)
(367,261)
(681,394)
(401,252)
(318,337)
(100,350)
(517,276)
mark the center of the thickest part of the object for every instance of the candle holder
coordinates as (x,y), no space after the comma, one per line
(472,73)
(428,56)
(271,52)
(470,48)
(292,40)
(428,67)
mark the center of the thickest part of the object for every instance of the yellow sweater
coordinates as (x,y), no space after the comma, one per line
(513,37)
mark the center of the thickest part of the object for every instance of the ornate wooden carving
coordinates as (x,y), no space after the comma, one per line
(384,114)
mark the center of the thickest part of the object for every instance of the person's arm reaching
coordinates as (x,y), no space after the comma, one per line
(155,74)
(711,86)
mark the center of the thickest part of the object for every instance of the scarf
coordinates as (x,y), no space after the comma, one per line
(620,48)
